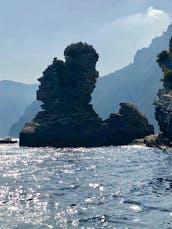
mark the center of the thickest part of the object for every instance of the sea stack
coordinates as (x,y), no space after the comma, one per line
(67,118)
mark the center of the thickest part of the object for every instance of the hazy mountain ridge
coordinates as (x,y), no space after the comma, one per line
(14,97)
(29,112)
(137,83)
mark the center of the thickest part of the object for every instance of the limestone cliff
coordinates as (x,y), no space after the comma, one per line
(68,118)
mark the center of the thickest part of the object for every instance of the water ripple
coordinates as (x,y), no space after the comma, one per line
(109,187)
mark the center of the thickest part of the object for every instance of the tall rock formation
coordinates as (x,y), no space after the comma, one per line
(68,118)
(65,91)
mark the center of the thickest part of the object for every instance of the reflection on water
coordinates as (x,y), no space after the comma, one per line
(109,187)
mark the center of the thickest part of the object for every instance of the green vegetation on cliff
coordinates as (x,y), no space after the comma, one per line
(165,62)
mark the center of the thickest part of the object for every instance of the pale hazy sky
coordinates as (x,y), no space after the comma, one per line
(32,32)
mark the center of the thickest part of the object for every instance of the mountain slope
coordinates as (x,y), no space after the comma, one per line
(29,112)
(14,97)
(136,83)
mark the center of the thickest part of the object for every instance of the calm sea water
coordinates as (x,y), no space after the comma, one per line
(109,187)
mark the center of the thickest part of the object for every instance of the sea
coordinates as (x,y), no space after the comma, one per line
(125,187)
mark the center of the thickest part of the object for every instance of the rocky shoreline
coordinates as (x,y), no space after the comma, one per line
(154,141)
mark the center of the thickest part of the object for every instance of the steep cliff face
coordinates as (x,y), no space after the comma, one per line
(163,105)
(68,118)
(163,112)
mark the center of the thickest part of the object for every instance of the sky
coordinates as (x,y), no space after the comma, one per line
(33,32)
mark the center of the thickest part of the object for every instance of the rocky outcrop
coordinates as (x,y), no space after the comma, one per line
(127,124)
(68,118)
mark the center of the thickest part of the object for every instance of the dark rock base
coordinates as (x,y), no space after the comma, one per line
(119,129)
